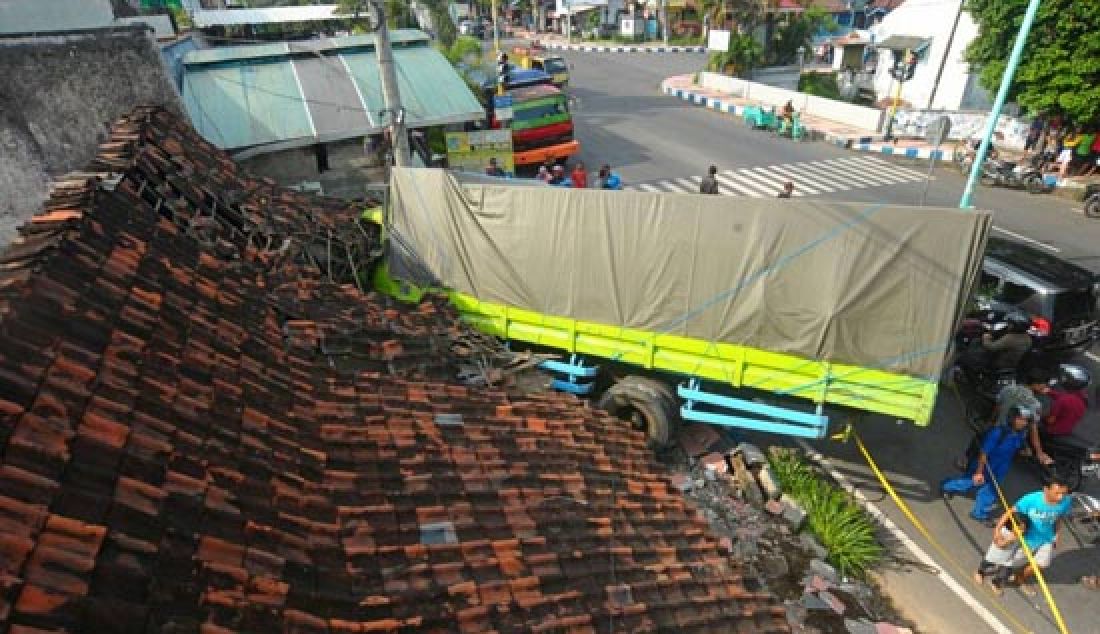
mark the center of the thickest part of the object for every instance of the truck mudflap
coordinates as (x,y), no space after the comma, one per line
(539,155)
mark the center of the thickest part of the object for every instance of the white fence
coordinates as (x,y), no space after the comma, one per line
(832,109)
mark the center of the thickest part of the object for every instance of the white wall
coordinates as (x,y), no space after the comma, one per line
(834,110)
(931,19)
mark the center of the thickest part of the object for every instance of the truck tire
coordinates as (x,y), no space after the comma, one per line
(647,403)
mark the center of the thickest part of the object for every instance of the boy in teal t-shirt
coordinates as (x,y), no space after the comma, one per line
(1044,511)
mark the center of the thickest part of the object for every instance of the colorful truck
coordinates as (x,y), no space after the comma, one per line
(763,314)
(541,125)
(549,63)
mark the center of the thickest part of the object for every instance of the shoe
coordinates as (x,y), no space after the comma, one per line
(984,521)
(947,496)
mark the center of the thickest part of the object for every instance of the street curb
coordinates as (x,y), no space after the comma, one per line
(582,48)
(714,103)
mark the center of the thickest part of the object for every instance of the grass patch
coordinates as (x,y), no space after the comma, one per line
(819,84)
(833,516)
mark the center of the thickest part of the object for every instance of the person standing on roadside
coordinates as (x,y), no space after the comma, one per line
(787,191)
(579,176)
(709,185)
(1044,510)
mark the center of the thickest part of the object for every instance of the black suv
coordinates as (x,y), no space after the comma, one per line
(1061,297)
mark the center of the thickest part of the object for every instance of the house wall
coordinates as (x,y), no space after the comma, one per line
(931,19)
(57,95)
(350,169)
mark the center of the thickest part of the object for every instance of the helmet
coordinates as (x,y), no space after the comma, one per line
(1073,377)
(1017,411)
(1018,321)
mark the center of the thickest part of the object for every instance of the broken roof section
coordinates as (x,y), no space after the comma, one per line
(201,430)
(278,96)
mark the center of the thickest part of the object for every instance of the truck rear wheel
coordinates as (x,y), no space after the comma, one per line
(647,404)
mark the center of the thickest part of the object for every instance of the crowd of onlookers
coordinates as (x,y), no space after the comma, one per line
(561,175)
(1076,149)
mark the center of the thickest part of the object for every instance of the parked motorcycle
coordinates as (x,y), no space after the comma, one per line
(1000,173)
(1092,201)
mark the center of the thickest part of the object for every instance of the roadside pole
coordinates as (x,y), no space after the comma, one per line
(496,26)
(391,95)
(664,21)
(999,102)
(894,106)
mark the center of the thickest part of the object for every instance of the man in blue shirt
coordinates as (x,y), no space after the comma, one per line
(1044,510)
(999,446)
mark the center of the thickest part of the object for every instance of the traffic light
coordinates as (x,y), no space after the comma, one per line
(910,66)
(904,66)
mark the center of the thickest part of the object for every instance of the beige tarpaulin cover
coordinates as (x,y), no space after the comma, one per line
(879,286)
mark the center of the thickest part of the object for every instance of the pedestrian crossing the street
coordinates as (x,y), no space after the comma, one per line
(810,178)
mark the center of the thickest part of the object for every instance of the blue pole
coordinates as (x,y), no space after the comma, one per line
(999,102)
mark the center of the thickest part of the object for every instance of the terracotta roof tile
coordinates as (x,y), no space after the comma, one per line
(207,427)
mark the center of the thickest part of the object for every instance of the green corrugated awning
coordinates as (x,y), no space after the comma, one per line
(278,96)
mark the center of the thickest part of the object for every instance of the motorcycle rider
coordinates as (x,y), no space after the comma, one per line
(1000,353)
(1068,403)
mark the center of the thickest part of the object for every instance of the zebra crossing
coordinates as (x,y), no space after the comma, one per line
(810,178)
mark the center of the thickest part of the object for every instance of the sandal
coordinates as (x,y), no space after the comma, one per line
(1091,582)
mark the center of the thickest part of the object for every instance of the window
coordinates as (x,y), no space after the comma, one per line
(321,154)
(1014,293)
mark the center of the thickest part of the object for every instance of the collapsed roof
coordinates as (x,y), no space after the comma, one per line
(207,423)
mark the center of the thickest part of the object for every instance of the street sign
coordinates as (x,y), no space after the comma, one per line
(502,107)
(937,131)
(718,40)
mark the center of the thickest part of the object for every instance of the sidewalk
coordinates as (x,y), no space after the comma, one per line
(555,42)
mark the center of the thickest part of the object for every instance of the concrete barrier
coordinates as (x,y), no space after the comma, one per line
(831,109)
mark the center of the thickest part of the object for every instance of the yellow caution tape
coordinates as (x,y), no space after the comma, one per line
(959,568)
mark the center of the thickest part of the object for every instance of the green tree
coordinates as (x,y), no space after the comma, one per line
(743,53)
(1060,67)
(798,31)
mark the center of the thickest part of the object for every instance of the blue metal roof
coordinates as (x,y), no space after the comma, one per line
(287,96)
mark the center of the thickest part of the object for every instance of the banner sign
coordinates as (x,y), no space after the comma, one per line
(471,151)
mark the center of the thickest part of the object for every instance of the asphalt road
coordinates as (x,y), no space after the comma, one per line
(623,120)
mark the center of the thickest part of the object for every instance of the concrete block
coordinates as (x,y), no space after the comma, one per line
(769,484)
(793,513)
(751,454)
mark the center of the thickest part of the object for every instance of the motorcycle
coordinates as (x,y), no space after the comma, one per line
(1092,201)
(979,385)
(1000,173)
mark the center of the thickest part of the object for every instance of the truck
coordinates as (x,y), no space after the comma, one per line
(547,62)
(779,316)
(542,127)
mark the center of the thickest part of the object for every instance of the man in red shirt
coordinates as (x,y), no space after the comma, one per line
(1068,404)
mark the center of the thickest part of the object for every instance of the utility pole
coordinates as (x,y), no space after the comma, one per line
(999,102)
(496,28)
(946,52)
(664,21)
(391,96)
